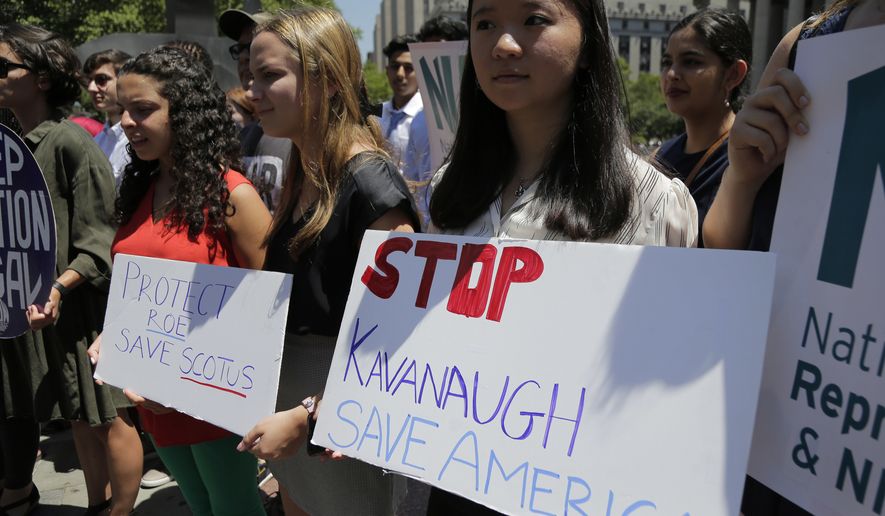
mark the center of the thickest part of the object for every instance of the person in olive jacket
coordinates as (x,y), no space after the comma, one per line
(46,373)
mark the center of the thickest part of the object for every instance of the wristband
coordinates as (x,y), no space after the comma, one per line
(62,290)
(310,404)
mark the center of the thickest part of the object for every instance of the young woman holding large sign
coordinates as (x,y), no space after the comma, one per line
(180,201)
(38,80)
(703,71)
(742,215)
(541,151)
(306,87)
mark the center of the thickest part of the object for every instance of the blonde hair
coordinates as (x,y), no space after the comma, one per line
(323,45)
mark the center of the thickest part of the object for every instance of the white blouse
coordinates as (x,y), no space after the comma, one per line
(663,213)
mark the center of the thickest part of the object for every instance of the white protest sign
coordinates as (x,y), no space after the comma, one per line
(202,339)
(439,66)
(820,429)
(552,377)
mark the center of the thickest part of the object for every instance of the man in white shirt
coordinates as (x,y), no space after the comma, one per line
(398,112)
(416,162)
(100,75)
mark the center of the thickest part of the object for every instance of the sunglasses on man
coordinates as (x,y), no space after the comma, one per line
(237,48)
(6,64)
(101,80)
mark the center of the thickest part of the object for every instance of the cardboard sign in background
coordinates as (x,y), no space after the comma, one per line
(439,66)
(202,339)
(27,234)
(820,430)
(558,376)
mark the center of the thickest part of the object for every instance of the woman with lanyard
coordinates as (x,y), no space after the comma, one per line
(742,216)
(703,71)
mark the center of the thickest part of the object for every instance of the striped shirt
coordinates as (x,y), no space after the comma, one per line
(662,214)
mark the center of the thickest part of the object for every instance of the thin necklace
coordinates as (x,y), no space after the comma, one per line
(520,188)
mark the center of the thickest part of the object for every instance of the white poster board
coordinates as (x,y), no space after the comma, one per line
(202,339)
(439,66)
(558,377)
(820,432)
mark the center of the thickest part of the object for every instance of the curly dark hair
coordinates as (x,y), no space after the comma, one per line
(204,145)
(48,55)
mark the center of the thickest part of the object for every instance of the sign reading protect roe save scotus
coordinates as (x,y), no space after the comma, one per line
(203,339)
(552,377)
(820,430)
(27,234)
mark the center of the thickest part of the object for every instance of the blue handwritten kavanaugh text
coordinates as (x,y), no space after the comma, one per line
(447,389)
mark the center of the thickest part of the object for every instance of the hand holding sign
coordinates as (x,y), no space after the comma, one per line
(759,136)
(153,406)
(94,353)
(277,436)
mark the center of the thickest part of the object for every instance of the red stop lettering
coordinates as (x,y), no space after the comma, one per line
(431,252)
(384,285)
(472,301)
(532,267)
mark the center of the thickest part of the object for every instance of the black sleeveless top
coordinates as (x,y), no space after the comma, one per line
(371,186)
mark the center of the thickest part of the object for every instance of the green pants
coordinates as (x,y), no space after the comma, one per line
(215,479)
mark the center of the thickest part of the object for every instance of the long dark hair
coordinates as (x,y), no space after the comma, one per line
(49,56)
(585,186)
(725,33)
(204,145)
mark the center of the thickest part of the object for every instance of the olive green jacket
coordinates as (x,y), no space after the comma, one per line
(81,187)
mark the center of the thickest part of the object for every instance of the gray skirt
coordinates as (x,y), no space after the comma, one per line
(329,487)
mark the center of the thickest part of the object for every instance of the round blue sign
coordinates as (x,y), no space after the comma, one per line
(27,234)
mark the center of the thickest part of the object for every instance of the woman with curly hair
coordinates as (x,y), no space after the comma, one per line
(46,373)
(180,200)
(306,87)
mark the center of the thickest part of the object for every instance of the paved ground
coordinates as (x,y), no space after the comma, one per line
(63,491)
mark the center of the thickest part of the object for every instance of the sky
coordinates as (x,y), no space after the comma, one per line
(361,13)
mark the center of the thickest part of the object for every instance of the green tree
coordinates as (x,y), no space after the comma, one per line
(79,21)
(647,115)
(376,83)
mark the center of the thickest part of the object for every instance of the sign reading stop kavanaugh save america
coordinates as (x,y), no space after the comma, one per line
(552,377)
(27,234)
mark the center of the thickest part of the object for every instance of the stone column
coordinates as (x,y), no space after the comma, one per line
(655,53)
(795,13)
(634,57)
(761,22)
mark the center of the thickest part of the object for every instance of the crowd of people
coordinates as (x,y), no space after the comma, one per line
(287,172)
